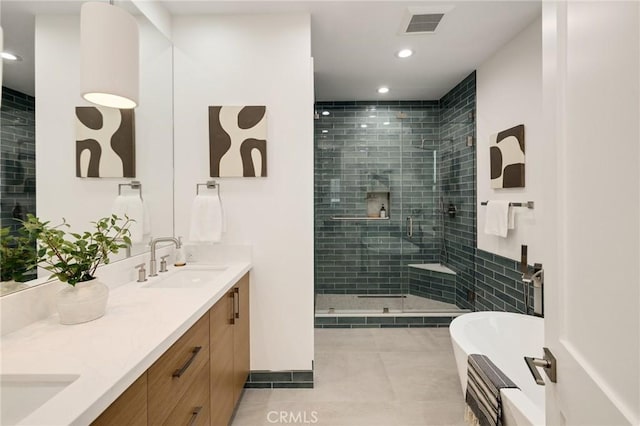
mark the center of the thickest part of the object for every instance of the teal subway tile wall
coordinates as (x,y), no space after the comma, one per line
(364,148)
(499,285)
(458,173)
(18,156)
(417,153)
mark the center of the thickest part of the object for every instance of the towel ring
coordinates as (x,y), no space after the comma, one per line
(134,184)
(210,185)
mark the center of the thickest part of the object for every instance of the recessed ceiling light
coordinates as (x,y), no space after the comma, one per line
(383,90)
(10,56)
(404,53)
(325,113)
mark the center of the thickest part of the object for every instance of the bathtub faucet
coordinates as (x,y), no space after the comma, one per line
(537,279)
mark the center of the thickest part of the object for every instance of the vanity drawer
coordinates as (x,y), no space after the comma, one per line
(193,407)
(171,376)
(129,409)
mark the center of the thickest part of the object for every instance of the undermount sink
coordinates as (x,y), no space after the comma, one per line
(22,394)
(188,277)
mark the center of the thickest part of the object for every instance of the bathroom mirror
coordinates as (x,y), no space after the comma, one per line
(38,128)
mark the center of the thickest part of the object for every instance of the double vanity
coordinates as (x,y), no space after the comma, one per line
(171,350)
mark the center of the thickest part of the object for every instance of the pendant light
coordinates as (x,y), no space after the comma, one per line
(109,56)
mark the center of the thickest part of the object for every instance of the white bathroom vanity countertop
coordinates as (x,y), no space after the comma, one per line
(110,353)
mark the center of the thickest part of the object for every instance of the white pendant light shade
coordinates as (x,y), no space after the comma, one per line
(109,74)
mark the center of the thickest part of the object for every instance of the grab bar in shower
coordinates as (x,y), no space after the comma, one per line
(358,218)
(409,226)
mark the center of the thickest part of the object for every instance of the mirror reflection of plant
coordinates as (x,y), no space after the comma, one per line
(74,257)
(17,255)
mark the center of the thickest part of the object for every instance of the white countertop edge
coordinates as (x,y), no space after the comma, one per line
(81,402)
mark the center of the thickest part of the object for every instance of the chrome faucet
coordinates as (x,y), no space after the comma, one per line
(152,261)
(537,279)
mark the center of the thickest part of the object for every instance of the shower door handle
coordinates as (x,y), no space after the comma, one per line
(409,226)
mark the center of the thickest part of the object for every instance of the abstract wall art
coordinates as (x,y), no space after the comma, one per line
(237,141)
(105,142)
(507,158)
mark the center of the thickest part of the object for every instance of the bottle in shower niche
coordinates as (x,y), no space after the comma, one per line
(383,212)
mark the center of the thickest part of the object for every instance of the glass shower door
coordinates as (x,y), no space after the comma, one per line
(421,226)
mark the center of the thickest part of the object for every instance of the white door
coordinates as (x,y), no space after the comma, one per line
(591,72)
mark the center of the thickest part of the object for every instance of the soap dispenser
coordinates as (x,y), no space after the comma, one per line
(181,258)
(383,212)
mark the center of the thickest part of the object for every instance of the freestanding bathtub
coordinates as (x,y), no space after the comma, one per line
(506,338)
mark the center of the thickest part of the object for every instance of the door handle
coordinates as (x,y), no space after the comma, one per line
(548,363)
(409,226)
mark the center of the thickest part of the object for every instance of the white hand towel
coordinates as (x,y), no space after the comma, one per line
(206,219)
(131,205)
(512,218)
(497,218)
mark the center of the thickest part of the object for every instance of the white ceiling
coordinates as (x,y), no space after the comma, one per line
(353,42)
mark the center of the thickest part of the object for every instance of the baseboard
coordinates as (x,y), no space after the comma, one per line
(296,379)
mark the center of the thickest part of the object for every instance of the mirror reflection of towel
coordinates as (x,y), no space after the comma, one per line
(131,205)
(207,221)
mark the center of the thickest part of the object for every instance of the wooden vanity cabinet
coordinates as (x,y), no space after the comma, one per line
(130,409)
(176,371)
(229,351)
(241,351)
(200,378)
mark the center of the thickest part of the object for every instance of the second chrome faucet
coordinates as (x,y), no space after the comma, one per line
(152,262)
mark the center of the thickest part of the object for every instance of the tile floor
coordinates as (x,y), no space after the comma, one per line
(368,377)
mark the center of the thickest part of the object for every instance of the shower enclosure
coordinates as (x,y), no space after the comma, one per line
(409,160)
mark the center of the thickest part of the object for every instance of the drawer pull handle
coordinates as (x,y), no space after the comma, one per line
(236,291)
(186,365)
(232,320)
(194,415)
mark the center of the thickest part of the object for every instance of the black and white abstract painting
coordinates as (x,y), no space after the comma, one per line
(105,142)
(237,141)
(507,158)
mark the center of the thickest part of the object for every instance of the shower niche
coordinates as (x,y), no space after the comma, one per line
(379,205)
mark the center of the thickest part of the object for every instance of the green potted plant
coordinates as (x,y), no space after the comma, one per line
(17,259)
(73,258)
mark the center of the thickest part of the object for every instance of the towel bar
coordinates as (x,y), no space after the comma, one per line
(527,204)
(210,184)
(134,184)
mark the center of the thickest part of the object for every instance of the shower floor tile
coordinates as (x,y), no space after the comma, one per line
(349,303)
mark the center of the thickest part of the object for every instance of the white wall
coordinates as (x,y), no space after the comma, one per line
(509,92)
(256,60)
(81,200)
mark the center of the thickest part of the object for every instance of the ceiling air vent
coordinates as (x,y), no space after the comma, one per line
(423,20)
(424,23)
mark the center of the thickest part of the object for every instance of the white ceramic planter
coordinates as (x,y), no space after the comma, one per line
(84,302)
